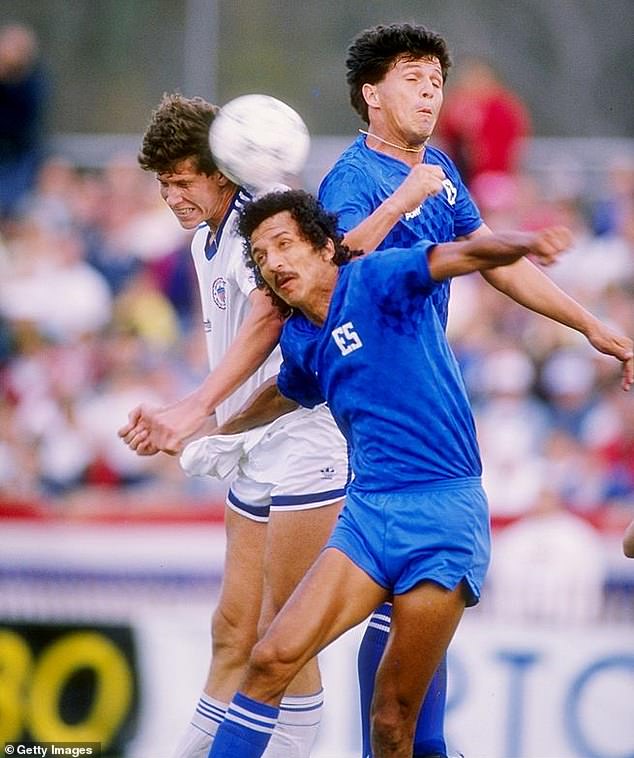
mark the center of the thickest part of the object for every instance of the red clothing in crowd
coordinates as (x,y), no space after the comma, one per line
(483,126)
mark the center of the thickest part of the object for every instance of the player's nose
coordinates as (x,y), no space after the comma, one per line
(172,196)
(274,260)
(426,88)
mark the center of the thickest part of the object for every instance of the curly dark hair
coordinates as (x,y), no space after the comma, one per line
(315,224)
(178,130)
(374,51)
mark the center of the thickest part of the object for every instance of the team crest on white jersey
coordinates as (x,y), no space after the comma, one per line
(219,292)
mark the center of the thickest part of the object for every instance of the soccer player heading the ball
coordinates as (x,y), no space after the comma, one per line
(286,490)
(415,522)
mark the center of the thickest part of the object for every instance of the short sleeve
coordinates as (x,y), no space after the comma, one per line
(295,384)
(237,269)
(467,217)
(343,192)
(399,270)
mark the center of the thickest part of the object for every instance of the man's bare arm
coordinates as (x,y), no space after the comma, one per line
(422,182)
(150,430)
(628,540)
(487,251)
(265,405)
(529,286)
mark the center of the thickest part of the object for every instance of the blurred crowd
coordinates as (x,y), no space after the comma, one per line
(97,306)
(556,428)
(99,311)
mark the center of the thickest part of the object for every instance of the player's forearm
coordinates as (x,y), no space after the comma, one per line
(369,234)
(499,250)
(264,406)
(502,249)
(527,285)
(451,259)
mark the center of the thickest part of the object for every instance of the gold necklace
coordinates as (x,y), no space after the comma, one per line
(393,144)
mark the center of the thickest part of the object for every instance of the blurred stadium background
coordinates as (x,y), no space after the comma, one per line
(109,564)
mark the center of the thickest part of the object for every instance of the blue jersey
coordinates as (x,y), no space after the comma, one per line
(362,179)
(382,362)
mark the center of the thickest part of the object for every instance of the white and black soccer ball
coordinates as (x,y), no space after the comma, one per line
(259,141)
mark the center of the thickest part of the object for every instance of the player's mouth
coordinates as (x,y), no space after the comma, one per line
(282,280)
(184,212)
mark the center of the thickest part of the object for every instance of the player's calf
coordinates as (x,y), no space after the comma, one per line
(231,643)
(393,725)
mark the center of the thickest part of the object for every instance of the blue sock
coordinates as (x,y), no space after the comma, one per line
(246,730)
(429,736)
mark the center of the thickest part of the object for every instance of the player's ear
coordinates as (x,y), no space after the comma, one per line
(222,180)
(370,95)
(328,250)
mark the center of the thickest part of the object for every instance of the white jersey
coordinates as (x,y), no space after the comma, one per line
(225,285)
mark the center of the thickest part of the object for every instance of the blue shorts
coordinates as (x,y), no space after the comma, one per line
(439,534)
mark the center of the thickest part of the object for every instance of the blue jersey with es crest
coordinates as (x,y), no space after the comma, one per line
(382,363)
(362,179)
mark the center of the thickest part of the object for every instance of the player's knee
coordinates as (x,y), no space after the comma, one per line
(230,637)
(274,660)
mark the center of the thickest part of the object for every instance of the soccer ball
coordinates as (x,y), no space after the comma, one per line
(258,141)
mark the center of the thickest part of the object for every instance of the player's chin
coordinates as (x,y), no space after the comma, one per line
(286,294)
(424,125)
(189,225)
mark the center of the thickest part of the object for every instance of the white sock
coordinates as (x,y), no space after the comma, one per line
(297,726)
(200,733)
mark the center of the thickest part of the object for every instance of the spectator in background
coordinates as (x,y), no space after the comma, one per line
(613,210)
(51,284)
(512,424)
(483,124)
(557,560)
(23,90)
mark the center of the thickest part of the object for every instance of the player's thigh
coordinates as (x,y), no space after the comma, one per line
(241,593)
(294,540)
(423,622)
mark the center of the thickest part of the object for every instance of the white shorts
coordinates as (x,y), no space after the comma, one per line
(300,462)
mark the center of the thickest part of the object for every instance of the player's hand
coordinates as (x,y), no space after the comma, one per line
(136,433)
(607,341)
(175,425)
(548,244)
(422,182)
(134,418)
